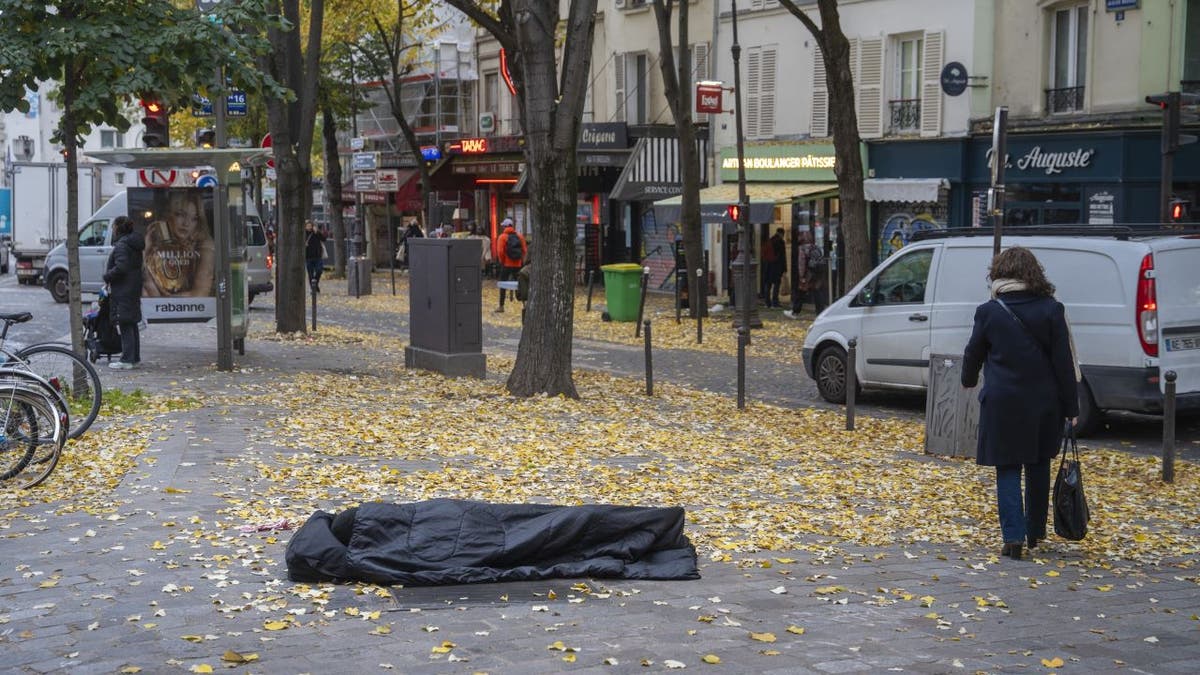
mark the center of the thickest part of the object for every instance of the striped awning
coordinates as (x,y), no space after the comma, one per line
(652,171)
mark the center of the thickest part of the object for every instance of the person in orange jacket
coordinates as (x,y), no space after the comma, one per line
(512,251)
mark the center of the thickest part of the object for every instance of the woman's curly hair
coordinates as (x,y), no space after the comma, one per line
(1019,263)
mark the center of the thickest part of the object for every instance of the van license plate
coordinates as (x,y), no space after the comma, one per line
(1179,344)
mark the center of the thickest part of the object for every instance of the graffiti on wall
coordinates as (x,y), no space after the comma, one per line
(899,227)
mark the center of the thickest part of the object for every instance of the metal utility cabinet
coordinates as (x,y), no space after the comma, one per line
(445,307)
(951,412)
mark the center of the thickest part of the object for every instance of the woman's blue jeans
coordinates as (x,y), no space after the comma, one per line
(1020,521)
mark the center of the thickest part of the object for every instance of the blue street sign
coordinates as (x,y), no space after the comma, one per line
(431,153)
(206,181)
(235,105)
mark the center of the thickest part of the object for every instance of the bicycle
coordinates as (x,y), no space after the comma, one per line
(33,427)
(71,374)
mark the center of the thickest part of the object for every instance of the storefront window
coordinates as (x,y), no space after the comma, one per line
(1044,192)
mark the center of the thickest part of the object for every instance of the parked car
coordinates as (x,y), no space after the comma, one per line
(1132,299)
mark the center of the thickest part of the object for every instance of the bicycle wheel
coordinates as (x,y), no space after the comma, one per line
(50,435)
(18,435)
(72,375)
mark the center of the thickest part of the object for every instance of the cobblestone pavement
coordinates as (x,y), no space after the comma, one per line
(139,588)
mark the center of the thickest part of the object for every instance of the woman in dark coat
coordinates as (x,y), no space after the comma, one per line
(1028,391)
(124,277)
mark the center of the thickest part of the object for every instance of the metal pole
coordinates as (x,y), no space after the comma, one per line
(743,338)
(591,283)
(392,248)
(699,314)
(1168,449)
(649,363)
(221,237)
(851,380)
(678,298)
(999,157)
(642,302)
(1166,185)
(312,287)
(743,200)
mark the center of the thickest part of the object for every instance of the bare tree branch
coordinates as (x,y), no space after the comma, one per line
(499,29)
(581,23)
(811,25)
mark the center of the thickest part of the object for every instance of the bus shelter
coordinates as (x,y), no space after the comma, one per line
(229,287)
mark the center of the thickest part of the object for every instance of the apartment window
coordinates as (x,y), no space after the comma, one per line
(1068,59)
(491,93)
(759,103)
(111,139)
(905,108)
(636,83)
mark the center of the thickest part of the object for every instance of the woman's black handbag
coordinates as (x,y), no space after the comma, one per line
(1071,513)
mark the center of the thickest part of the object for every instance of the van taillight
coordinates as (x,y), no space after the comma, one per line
(270,261)
(1147,307)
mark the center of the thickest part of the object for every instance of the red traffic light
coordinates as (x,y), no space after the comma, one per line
(734,212)
(152,106)
(157,123)
(1178,211)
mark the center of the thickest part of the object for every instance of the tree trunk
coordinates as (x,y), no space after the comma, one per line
(333,190)
(677,86)
(846,144)
(843,119)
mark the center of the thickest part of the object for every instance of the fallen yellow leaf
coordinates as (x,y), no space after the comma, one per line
(763,637)
(795,629)
(711,658)
(231,656)
(202,668)
(275,625)
(1055,662)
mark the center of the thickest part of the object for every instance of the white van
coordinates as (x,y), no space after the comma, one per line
(95,245)
(1132,299)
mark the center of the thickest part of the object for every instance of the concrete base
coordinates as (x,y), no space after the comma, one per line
(452,365)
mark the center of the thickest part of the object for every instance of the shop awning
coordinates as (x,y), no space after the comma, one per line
(763,199)
(652,171)
(903,189)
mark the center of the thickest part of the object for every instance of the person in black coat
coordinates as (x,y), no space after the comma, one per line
(1022,342)
(314,254)
(123,274)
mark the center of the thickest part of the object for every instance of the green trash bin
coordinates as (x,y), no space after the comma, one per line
(622,288)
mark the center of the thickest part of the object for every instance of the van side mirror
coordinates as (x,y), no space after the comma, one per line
(865,296)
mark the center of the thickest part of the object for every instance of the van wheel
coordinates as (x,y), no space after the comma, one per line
(1090,417)
(830,371)
(57,283)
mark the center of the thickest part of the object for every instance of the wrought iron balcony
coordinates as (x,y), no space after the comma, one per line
(1190,86)
(1064,100)
(906,115)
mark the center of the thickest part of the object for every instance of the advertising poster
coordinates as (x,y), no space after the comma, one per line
(5,212)
(178,271)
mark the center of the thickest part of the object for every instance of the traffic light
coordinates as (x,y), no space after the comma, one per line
(157,123)
(206,138)
(1171,104)
(1178,210)
(734,211)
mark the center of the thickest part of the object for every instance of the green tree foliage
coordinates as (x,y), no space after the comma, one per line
(98,55)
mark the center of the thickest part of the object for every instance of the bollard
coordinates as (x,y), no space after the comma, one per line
(703,299)
(649,363)
(742,334)
(312,287)
(591,281)
(1168,449)
(642,301)
(679,297)
(851,379)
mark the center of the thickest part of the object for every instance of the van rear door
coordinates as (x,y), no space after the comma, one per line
(1177,287)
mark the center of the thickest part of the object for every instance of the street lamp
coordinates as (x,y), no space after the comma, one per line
(747,312)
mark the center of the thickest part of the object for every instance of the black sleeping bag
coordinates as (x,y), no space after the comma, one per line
(450,541)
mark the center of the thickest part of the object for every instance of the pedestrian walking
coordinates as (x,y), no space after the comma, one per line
(775,258)
(1023,343)
(812,266)
(314,254)
(511,249)
(123,274)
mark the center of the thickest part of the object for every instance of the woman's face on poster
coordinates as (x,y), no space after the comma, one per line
(185,218)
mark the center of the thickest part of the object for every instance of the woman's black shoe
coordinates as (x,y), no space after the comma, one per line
(1034,541)
(1012,549)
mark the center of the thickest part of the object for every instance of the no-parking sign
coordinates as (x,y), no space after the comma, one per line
(157,178)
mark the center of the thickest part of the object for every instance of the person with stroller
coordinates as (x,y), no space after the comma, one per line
(123,274)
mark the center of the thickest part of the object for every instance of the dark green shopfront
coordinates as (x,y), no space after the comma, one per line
(1092,178)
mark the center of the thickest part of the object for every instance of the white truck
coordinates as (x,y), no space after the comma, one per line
(39,212)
